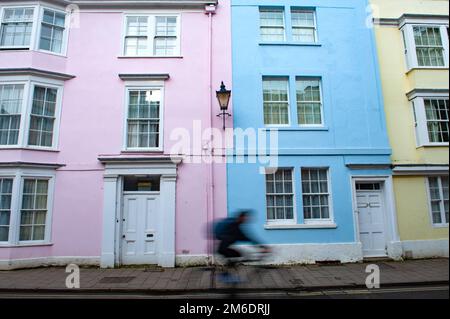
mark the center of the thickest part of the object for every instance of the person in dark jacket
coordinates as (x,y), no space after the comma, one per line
(229,232)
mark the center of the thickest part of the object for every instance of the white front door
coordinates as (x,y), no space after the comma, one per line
(139,235)
(371,223)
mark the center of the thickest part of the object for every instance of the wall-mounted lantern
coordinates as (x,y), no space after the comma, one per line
(223,96)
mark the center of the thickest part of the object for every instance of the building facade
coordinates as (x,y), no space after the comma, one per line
(310,73)
(95,98)
(413,49)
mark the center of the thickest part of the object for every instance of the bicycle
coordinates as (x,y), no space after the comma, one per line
(254,261)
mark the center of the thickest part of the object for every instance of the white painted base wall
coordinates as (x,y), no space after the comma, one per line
(191,260)
(425,248)
(312,253)
(395,250)
(48,261)
(282,254)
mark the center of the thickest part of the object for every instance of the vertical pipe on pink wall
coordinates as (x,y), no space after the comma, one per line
(210,214)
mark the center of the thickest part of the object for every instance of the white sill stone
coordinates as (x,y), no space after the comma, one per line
(7,245)
(300,226)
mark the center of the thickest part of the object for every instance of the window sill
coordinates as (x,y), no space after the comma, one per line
(131,151)
(299,128)
(151,57)
(20,148)
(418,68)
(7,245)
(434,145)
(440,225)
(62,55)
(300,226)
(6,49)
(291,43)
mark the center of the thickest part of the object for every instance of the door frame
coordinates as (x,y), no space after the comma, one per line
(115,169)
(389,217)
(121,212)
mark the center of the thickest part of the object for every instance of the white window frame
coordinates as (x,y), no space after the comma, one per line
(18,175)
(407,30)
(420,118)
(441,194)
(288,81)
(143,87)
(37,25)
(319,221)
(295,10)
(29,83)
(312,78)
(65,33)
(292,221)
(33,30)
(151,34)
(282,9)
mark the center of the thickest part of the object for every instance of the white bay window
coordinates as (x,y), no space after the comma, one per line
(426,43)
(439,200)
(33,28)
(152,35)
(16,27)
(431,115)
(29,112)
(11,101)
(25,205)
(52,31)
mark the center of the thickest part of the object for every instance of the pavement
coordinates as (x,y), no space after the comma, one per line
(282,279)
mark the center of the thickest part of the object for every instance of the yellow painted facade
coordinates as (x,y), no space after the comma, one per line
(412,203)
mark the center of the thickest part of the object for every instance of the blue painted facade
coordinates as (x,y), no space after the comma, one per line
(353,132)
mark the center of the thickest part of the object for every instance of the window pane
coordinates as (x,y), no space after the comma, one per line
(25,233)
(272,25)
(439,201)
(5,207)
(303,26)
(429,47)
(137,26)
(34,209)
(4,233)
(42,117)
(315,194)
(136,46)
(136,39)
(165,41)
(52,31)
(16,27)
(436,111)
(279,195)
(11,99)
(276,101)
(309,104)
(144,119)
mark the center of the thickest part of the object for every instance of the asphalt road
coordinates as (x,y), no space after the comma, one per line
(431,292)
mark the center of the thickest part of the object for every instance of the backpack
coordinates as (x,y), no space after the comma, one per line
(221,228)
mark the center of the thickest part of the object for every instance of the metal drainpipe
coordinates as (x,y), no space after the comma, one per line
(210,10)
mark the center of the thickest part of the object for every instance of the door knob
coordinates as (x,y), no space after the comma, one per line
(150,235)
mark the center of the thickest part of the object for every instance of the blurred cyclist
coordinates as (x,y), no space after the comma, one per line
(230,231)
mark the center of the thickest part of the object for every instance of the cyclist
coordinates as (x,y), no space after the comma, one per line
(230,231)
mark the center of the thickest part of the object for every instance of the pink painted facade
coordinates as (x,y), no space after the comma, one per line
(92,124)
